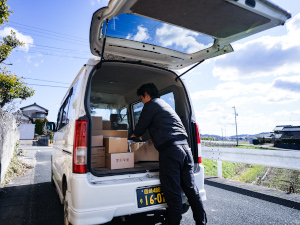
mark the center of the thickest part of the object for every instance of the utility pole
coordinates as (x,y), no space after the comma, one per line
(235,115)
(222,133)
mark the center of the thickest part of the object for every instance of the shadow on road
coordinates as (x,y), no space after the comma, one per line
(39,204)
(30,204)
(273,199)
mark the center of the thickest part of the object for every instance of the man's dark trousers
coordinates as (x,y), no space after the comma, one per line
(176,172)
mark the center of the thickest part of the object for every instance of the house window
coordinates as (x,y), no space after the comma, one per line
(40,115)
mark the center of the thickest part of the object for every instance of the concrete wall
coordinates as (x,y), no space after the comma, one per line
(9,135)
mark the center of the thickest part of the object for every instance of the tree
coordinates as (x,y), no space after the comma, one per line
(12,87)
(4,12)
(8,44)
(39,126)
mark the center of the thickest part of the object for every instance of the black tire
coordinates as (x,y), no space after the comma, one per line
(52,181)
(185,208)
(66,221)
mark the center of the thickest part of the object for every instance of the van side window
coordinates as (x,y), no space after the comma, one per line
(138,107)
(123,114)
(111,107)
(66,108)
(169,98)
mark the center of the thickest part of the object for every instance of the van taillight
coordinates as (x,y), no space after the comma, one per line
(80,147)
(198,134)
(198,142)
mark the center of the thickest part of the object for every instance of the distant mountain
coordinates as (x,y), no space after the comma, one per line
(242,136)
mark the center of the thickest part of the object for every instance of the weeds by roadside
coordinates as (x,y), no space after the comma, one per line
(275,178)
(16,168)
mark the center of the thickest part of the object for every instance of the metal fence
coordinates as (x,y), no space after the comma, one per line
(287,159)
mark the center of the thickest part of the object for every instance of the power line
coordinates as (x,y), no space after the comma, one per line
(41,32)
(29,78)
(49,54)
(56,39)
(46,30)
(61,51)
(47,85)
(45,46)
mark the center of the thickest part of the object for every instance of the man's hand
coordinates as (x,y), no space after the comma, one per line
(133,136)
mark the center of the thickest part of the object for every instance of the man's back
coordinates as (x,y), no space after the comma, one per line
(163,123)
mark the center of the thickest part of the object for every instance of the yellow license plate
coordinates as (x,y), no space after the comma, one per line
(149,196)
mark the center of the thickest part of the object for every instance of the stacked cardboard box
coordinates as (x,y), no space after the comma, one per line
(98,151)
(98,157)
(119,160)
(115,145)
(143,151)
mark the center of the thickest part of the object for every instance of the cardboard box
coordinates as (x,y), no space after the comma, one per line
(119,160)
(97,140)
(146,152)
(98,157)
(106,125)
(115,144)
(135,146)
(97,123)
(111,133)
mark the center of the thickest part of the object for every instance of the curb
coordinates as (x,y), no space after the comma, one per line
(252,188)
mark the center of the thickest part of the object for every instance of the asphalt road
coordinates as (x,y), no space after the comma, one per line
(32,200)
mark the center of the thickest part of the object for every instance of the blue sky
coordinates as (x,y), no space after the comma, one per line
(261,78)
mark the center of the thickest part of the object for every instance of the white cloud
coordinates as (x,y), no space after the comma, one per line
(263,57)
(287,83)
(231,89)
(28,58)
(102,2)
(282,90)
(141,35)
(23,38)
(170,35)
(248,122)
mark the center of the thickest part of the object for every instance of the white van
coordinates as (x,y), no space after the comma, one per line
(136,42)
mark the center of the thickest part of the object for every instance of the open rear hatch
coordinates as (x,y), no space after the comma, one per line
(174,34)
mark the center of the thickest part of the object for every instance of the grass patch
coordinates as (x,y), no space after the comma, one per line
(253,147)
(251,174)
(229,168)
(15,168)
(236,171)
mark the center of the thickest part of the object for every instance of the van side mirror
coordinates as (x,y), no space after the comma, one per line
(51,126)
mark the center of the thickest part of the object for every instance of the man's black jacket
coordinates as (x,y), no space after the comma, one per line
(163,124)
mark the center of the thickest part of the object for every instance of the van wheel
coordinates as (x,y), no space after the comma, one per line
(185,208)
(66,213)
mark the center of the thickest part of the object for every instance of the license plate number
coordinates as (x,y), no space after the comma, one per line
(149,196)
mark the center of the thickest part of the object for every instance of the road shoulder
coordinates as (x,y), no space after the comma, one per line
(252,190)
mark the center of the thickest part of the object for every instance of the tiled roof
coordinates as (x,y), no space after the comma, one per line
(291,129)
(34,105)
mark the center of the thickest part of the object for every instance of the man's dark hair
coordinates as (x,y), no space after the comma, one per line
(150,88)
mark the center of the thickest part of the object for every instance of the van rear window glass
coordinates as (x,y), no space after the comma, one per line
(149,31)
(138,107)
(111,107)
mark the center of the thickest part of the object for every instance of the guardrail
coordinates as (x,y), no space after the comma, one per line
(287,159)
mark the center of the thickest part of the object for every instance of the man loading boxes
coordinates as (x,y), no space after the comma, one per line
(175,158)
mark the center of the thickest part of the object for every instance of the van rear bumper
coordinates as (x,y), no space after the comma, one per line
(100,202)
